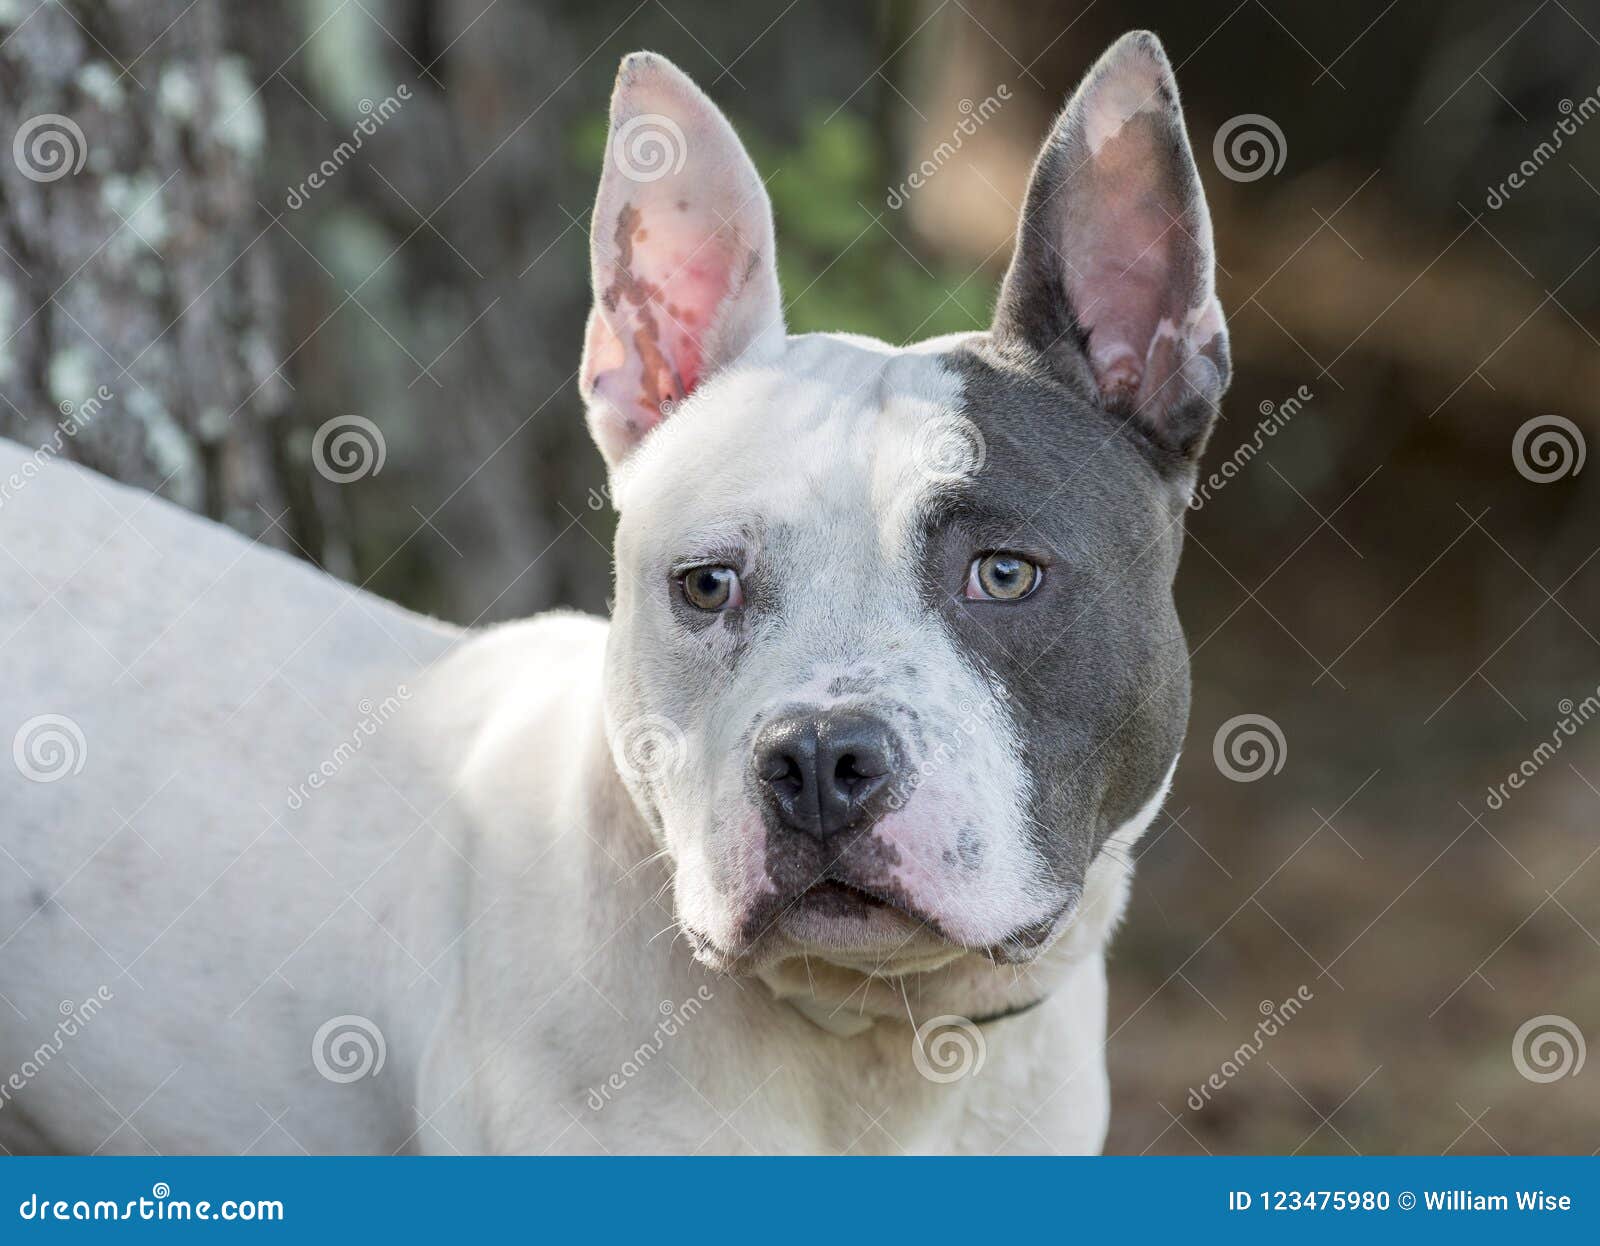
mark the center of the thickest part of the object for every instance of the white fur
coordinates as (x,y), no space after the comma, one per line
(472,879)
(823,444)
(292,812)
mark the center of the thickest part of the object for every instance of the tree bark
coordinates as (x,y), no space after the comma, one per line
(137,306)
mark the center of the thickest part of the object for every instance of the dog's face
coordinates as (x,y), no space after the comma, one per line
(894,650)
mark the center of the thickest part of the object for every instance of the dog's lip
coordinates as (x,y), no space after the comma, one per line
(853,901)
(834,917)
(829,918)
(888,921)
(827,890)
(1027,943)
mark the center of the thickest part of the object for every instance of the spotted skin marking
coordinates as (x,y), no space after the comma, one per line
(660,382)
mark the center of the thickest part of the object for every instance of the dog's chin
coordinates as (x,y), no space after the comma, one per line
(862,930)
(868,932)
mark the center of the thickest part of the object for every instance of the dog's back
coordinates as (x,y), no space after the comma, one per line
(177,708)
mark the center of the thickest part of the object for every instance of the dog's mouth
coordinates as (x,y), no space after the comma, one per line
(869,927)
(858,924)
(832,898)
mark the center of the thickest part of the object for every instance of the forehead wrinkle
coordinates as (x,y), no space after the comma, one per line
(1003,526)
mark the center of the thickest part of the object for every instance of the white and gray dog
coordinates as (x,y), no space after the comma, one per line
(816,845)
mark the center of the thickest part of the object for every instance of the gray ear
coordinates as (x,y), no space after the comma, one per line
(1112,278)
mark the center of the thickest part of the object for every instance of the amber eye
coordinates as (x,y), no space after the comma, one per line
(712,588)
(1001,577)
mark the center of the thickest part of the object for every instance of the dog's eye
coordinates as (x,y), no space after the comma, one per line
(1001,577)
(712,588)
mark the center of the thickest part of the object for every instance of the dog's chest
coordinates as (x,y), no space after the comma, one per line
(744,1078)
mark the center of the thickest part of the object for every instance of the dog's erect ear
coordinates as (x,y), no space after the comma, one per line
(681,249)
(1112,276)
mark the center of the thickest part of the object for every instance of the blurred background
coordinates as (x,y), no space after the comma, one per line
(280,214)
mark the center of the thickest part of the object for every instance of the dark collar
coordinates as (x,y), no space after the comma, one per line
(1005,1013)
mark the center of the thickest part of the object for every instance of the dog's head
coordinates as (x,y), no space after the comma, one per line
(894,649)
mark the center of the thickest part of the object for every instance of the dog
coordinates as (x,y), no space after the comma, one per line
(815,846)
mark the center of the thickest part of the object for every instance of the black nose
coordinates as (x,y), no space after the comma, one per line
(825,773)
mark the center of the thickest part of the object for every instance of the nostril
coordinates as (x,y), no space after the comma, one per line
(783,774)
(853,770)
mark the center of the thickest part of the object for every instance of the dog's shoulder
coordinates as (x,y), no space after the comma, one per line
(518,689)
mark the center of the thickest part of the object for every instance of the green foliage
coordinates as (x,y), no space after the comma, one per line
(843,255)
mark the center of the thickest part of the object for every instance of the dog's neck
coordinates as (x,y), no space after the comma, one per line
(847,1002)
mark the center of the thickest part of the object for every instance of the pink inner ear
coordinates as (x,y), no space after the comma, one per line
(669,276)
(1140,289)
(1124,252)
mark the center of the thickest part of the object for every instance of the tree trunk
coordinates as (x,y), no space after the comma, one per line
(137,304)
